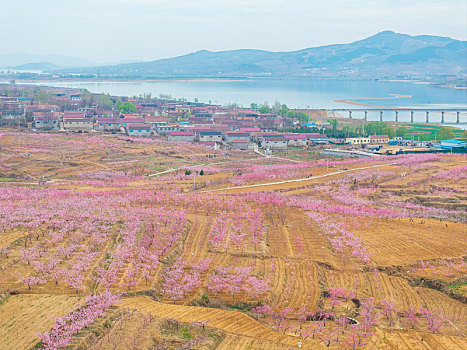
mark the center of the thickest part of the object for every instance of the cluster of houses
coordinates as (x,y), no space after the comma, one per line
(246,138)
(210,125)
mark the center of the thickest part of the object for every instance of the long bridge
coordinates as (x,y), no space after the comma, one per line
(458,111)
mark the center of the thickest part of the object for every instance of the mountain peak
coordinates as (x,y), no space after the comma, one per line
(385,32)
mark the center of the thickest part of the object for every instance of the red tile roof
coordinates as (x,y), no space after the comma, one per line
(132,120)
(109,120)
(181,133)
(79,120)
(73,114)
(240,141)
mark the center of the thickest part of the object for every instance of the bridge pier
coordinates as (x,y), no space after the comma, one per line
(442,117)
(397,116)
(458,117)
(350,114)
(380,116)
(427,117)
(411,116)
(366,116)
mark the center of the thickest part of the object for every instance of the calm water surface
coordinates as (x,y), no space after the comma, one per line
(295,93)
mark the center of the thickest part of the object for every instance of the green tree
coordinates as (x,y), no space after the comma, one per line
(373,128)
(333,123)
(126,107)
(401,132)
(445,133)
(425,137)
(283,110)
(254,105)
(359,129)
(104,101)
(43,96)
(389,131)
(276,107)
(264,109)
(346,130)
(300,115)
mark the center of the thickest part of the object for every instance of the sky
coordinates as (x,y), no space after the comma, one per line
(111,31)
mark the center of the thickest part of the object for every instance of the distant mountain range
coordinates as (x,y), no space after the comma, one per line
(41,62)
(386,54)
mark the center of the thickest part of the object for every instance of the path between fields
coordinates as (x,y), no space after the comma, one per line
(217,163)
(229,321)
(296,180)
(182,167)
(256,150)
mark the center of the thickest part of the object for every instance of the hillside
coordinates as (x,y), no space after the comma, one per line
(384,54)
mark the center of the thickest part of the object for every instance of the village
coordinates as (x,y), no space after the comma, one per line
(78,111)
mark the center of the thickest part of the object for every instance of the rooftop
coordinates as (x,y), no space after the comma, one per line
(181,133)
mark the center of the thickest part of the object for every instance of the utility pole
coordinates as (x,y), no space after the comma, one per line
(327,161)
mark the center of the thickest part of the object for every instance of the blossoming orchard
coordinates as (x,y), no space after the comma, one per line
(126,243)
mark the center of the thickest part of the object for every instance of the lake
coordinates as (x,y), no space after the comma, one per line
(296,93)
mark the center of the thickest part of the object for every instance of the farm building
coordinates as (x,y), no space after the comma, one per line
(237,136)
(296,140)
(215,136)
(78,124)
(276,142)
(211,144)
(139,130)
(167,129)
(182,136)
(303,139)
(358,140)
(379,139)
(132,121)
(73,115)
(239,144)
(75,98)
(108,124)
(46,122)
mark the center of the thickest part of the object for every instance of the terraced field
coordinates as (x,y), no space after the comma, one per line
(256,256)
(23,316)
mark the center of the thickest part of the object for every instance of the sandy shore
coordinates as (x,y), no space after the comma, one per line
(353,101)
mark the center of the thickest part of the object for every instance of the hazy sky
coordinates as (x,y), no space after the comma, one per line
(117,30)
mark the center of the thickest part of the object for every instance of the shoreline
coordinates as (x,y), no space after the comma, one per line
(39,81)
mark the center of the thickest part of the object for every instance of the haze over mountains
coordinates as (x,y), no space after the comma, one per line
(384,54)
(45,62)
